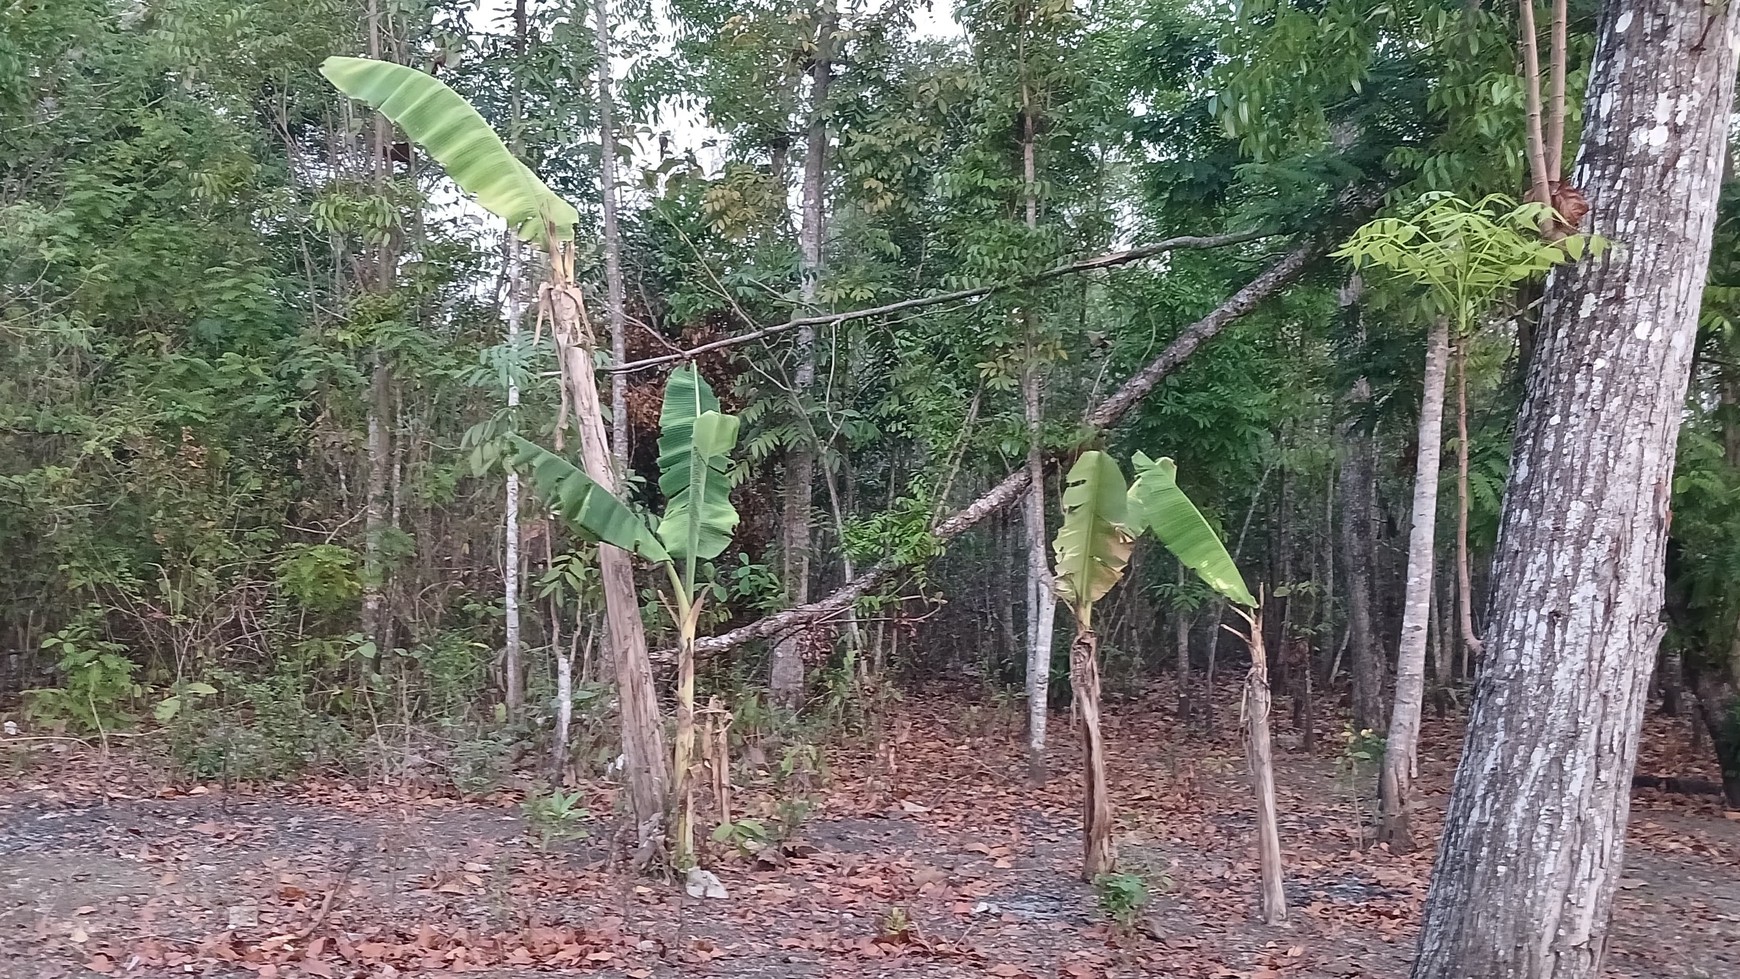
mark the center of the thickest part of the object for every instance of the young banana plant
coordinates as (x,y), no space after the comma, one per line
(695,443)
(1101,519)
(453,133)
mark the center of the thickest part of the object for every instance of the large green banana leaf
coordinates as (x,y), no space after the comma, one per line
(1157,504)
(443,123)
(695,443)
(1093,545)
(583,504)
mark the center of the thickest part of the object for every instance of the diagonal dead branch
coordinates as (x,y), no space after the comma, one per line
(1013,486)
(1106,261)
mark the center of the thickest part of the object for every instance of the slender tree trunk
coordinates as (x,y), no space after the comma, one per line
(1401,747)
(787,667)
(1181,640)
(513,686)
(1464,578)
(380,393)
(1532,852)
(1043,600)
(614,293)
(1259,754)
(643,740)
(1365,656)
(1099,856)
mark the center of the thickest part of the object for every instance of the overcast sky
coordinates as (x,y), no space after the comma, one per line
(687,131)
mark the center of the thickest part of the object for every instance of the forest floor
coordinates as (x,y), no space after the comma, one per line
(951,866)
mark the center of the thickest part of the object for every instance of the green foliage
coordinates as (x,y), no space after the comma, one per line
(1093,545)
(457,136)
(1465,254)
(1157,505)
(584,505)
(1123,897)
(97,686)
(555,817)
(322,578)
(695,443)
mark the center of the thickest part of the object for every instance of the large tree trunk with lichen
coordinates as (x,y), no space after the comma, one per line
(1533,850)
(1401,747)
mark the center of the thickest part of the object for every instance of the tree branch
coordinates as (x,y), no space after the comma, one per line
(1014,485)
(1106,261)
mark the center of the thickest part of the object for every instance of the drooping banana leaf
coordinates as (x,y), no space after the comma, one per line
(1157,504)
(1093,545)
(440,120)
(583,504)
(695,443)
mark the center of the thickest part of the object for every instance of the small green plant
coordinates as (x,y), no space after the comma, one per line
(789,816)
(1362,753)
(1123,897)
(746,836)
(802,765)
(96,686)
(555,817)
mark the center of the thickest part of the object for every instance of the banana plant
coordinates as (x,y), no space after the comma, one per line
(695,443)
(1101,520)
(453,133)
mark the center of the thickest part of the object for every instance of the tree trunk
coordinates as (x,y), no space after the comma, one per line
(1401,747)
(1181,639)
(1041,601)
(787,666)
(1717,694)
(1259,754)
(1532,852)
(513,685)
(643,739)
(614,293)
(1365,657)
(1084,675)
(1464,578)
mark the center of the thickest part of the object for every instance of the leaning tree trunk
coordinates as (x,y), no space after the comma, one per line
(643,739)
(1534,841)
(1401,747)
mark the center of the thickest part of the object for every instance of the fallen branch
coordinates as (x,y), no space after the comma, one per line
(1109,260)
(1014,485)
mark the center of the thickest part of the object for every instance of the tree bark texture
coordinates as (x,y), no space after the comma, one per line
(1084,674)
(1259,754)
(1041,600)
(1365,656)
(614,293)
(643,738)
(1401,747)
(1534,840)
(1464,578)
(787,667)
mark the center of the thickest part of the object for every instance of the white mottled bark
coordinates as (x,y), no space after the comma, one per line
(1534,840)
(513,689)
(1401,747)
